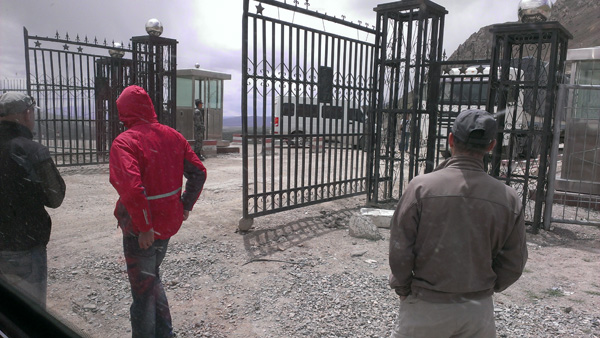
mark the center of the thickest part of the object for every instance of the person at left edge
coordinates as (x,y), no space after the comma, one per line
(29,182)
(147,164)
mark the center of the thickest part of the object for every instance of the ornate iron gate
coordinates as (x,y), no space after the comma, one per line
(76,120)
(305,92)
(76,83)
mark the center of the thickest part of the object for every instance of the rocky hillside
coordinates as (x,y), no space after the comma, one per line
(580,17)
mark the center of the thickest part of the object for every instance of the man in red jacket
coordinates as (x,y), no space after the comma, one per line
(147,165)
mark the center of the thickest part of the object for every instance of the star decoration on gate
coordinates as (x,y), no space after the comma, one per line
(259,9)
(66,47)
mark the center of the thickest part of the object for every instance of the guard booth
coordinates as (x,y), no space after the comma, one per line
(208,86)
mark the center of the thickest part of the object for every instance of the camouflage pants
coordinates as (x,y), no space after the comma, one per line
(199,138)
(198,131)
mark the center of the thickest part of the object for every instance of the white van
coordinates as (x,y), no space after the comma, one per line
(300,116)
(470,91)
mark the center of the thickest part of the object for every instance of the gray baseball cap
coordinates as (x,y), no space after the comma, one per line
(472,120)
(15,103)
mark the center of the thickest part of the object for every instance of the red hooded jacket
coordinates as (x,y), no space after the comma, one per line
(147,165)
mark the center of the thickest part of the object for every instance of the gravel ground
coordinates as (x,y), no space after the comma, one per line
(295,274)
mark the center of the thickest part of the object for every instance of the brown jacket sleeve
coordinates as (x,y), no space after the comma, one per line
(403,234)
(510,261)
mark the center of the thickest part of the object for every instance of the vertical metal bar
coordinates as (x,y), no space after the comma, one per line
(559,117)
(274,93)
(281,114)
(307,140)
(335,61)
(415,121)
(354,136)
(263,138)
(325,177)
(497,89)
(73,102)
(298,99)
(45,106)
(320,131)
(433,88)
(313,151)
(89,105)
(396,105)
(27,66)
(345,119)
(36,84)
(254,112)
(407,78)
(54,107)
(375,112)
(244,108)
(83,118)
(61,105)
(295,116)
(551,86)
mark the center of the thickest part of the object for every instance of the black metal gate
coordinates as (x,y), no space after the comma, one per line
(77,119)
(76,81)
(305,94)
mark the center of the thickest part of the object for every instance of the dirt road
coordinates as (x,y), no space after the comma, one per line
(296,274)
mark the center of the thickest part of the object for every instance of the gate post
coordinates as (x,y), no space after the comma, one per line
(155,69)
(113,74)
(408,49)
(527,65)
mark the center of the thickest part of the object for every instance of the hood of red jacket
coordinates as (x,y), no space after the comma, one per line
(135,107)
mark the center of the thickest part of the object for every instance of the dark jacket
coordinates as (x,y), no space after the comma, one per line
(147,165)
(457,234)
(29,181)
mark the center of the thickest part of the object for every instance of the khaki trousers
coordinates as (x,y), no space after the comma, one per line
(418,318)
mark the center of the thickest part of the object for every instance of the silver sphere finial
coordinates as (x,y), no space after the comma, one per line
(197,65)
(154,27)
(534,10)
(115,53)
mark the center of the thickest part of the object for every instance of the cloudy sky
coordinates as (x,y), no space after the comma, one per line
(209,32)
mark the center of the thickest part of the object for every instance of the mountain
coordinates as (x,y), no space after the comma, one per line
(580,17)
(236,121)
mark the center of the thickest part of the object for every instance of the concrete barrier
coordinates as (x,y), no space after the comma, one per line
(209,148)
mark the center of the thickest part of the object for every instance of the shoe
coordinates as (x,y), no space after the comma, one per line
(202,158)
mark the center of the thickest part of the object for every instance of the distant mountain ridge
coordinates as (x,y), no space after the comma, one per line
(236,121)
(580,17)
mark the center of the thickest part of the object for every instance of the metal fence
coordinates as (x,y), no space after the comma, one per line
(76,81)
(62,78)
(13,85)
(574,176)
(304,98)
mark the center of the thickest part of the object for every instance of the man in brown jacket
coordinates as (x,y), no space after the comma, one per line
(457,236)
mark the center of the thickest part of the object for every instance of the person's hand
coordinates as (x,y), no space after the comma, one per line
(146,239)
(186,214)
(403,298)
